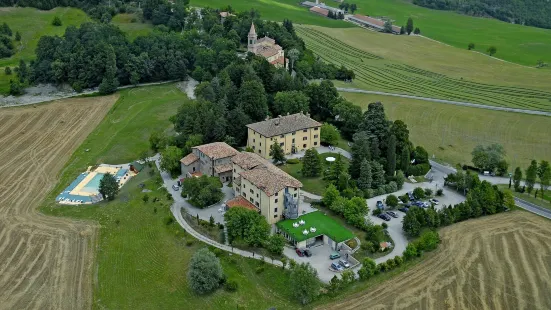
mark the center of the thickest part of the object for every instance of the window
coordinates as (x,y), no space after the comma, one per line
(234,170)
(251,190)
(244,186)
(259,151)
(294,132)
(304,145)
(256,195)
(275,210)
(254,140)
(316,129)
(260,143)
(315,143)
(254,147)
(251,199)
(295,195)
(282,136)
(281,144)
(304,138)
(256,203)
(293,140)
(276,202)
(193,169)
(234,178)
(315,136)
(305,130)
(276,194)
(275,215)
(245,195)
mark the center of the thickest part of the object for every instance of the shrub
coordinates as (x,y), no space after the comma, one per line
(420,169)
(398,260)
(428,192)
(392,201)
(385,225)
(218,252)
(145,198)
(7,70)
(439,192)
(57,21)
(380,191)
(293,161)
(205,272)
(419,193)
(231,286)
(377,211)
(220,226)
(369,193)
(259,270)
(367,246)
(391,187)
(189,242)
(169,220)
(404,198)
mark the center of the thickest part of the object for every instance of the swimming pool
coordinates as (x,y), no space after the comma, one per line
(93,185)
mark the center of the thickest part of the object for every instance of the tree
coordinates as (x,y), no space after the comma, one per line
(277,154)
(419,193)
(387,28)
(202,191)
(365,180)
(293,55)
(402,30)
(330,195)
(531,174)
(378,174)
(517,177)
(391,156)
(109,82)
(502,167)
(491,50)
(311,165)
(248,226)
(17,36)
(15,88)
(392,201)
(275,243)
(544,173)
(22,71)
(170,160)
(57,21)
(108,187)
(405,159)
(360,152)
(157,141)
(192,140)
(304,283)
(7,71)
(409,26)
(353,8)
(471,46)
(329,134)
(205,272)
(290,102)
(336,169)
(411,225)
(488,158)
(368,269)
(252,99)
(417,30)
(6,30)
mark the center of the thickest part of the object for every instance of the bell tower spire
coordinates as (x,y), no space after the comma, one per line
(251,43)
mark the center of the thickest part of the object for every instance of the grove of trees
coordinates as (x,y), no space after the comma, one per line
(202,191)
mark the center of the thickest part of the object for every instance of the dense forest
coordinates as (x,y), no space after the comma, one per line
(535,13)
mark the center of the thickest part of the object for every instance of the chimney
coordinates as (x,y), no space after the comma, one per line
(307,114)
(276,120)
(267,117)
(288,113)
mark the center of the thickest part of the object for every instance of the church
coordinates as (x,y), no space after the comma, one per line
(267,48)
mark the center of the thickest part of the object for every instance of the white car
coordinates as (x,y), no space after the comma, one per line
(175,187)
(435,201)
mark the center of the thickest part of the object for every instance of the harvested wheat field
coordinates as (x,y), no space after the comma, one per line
(497,262)
(45,262)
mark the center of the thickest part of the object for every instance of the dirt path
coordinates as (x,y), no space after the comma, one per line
(496,262)
(45,262)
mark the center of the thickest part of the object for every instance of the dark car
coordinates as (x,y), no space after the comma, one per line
(404,209)
(384,217)
(394,215)
(300,252)
(380,205)
(307,253)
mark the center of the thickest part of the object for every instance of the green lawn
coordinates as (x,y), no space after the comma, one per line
(132,29)
(417,66)
(324,225)
(544,203)
(451,132)
(124,133)
(314,185)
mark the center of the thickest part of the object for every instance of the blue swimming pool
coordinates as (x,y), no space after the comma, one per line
(93,185)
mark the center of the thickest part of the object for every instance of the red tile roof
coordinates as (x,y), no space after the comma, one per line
(217,150)
(318,10)
(375,22)
(240,201)
(223,168)
(189,159)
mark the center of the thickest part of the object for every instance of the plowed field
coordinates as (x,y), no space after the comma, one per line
(496,262)
(45,262)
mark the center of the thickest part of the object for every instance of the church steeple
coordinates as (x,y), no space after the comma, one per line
(251,43)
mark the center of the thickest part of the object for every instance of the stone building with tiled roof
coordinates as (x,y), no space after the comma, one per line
(294,133)
(269,189)
(265,47)
(213,159)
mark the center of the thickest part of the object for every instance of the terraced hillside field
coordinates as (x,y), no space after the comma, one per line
(496,262)
(467,78)
(45,262)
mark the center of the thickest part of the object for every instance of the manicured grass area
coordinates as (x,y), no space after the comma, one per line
(544,203)
(416,66)
(124,133)
(142,261)
(277,10)
(324,226)
(32,24)
(132,25)
(314,185)
(451,132)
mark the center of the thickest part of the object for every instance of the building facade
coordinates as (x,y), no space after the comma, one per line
(294,133)
(265,47)
(213,159)
(261,186)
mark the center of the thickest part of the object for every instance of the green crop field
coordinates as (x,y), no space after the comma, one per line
(424,76)
(451,132)
(141,262)
(516,43)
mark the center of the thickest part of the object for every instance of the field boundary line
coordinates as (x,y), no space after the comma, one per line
(459,103)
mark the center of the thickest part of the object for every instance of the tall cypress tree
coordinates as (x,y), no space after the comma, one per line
(360,152)
(391,156)
(405,160)
(378,174)
(311,165)
(409,26)
(365,179)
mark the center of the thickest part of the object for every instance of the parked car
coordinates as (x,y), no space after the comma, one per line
(391,213)
(344,263)
(307,253)
(334,255)
(337,267)
(300,252)
(384,217)
(380,205)
(435,201)
(175,187)
(411,197)
(404,209)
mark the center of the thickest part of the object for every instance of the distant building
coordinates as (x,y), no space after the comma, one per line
(224,15)
(213,159)
(265,47)
(370,22)
(294,133)
(259,185)
(320,11)
(322,6)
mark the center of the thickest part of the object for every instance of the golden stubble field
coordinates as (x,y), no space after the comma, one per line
(496,262)
(45,262)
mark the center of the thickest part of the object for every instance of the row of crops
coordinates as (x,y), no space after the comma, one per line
(378,74)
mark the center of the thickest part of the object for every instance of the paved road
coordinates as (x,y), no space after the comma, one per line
(460,103)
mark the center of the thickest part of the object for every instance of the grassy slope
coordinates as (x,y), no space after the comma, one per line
(451,132)
(142,262)
(416,66)
(132,29)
